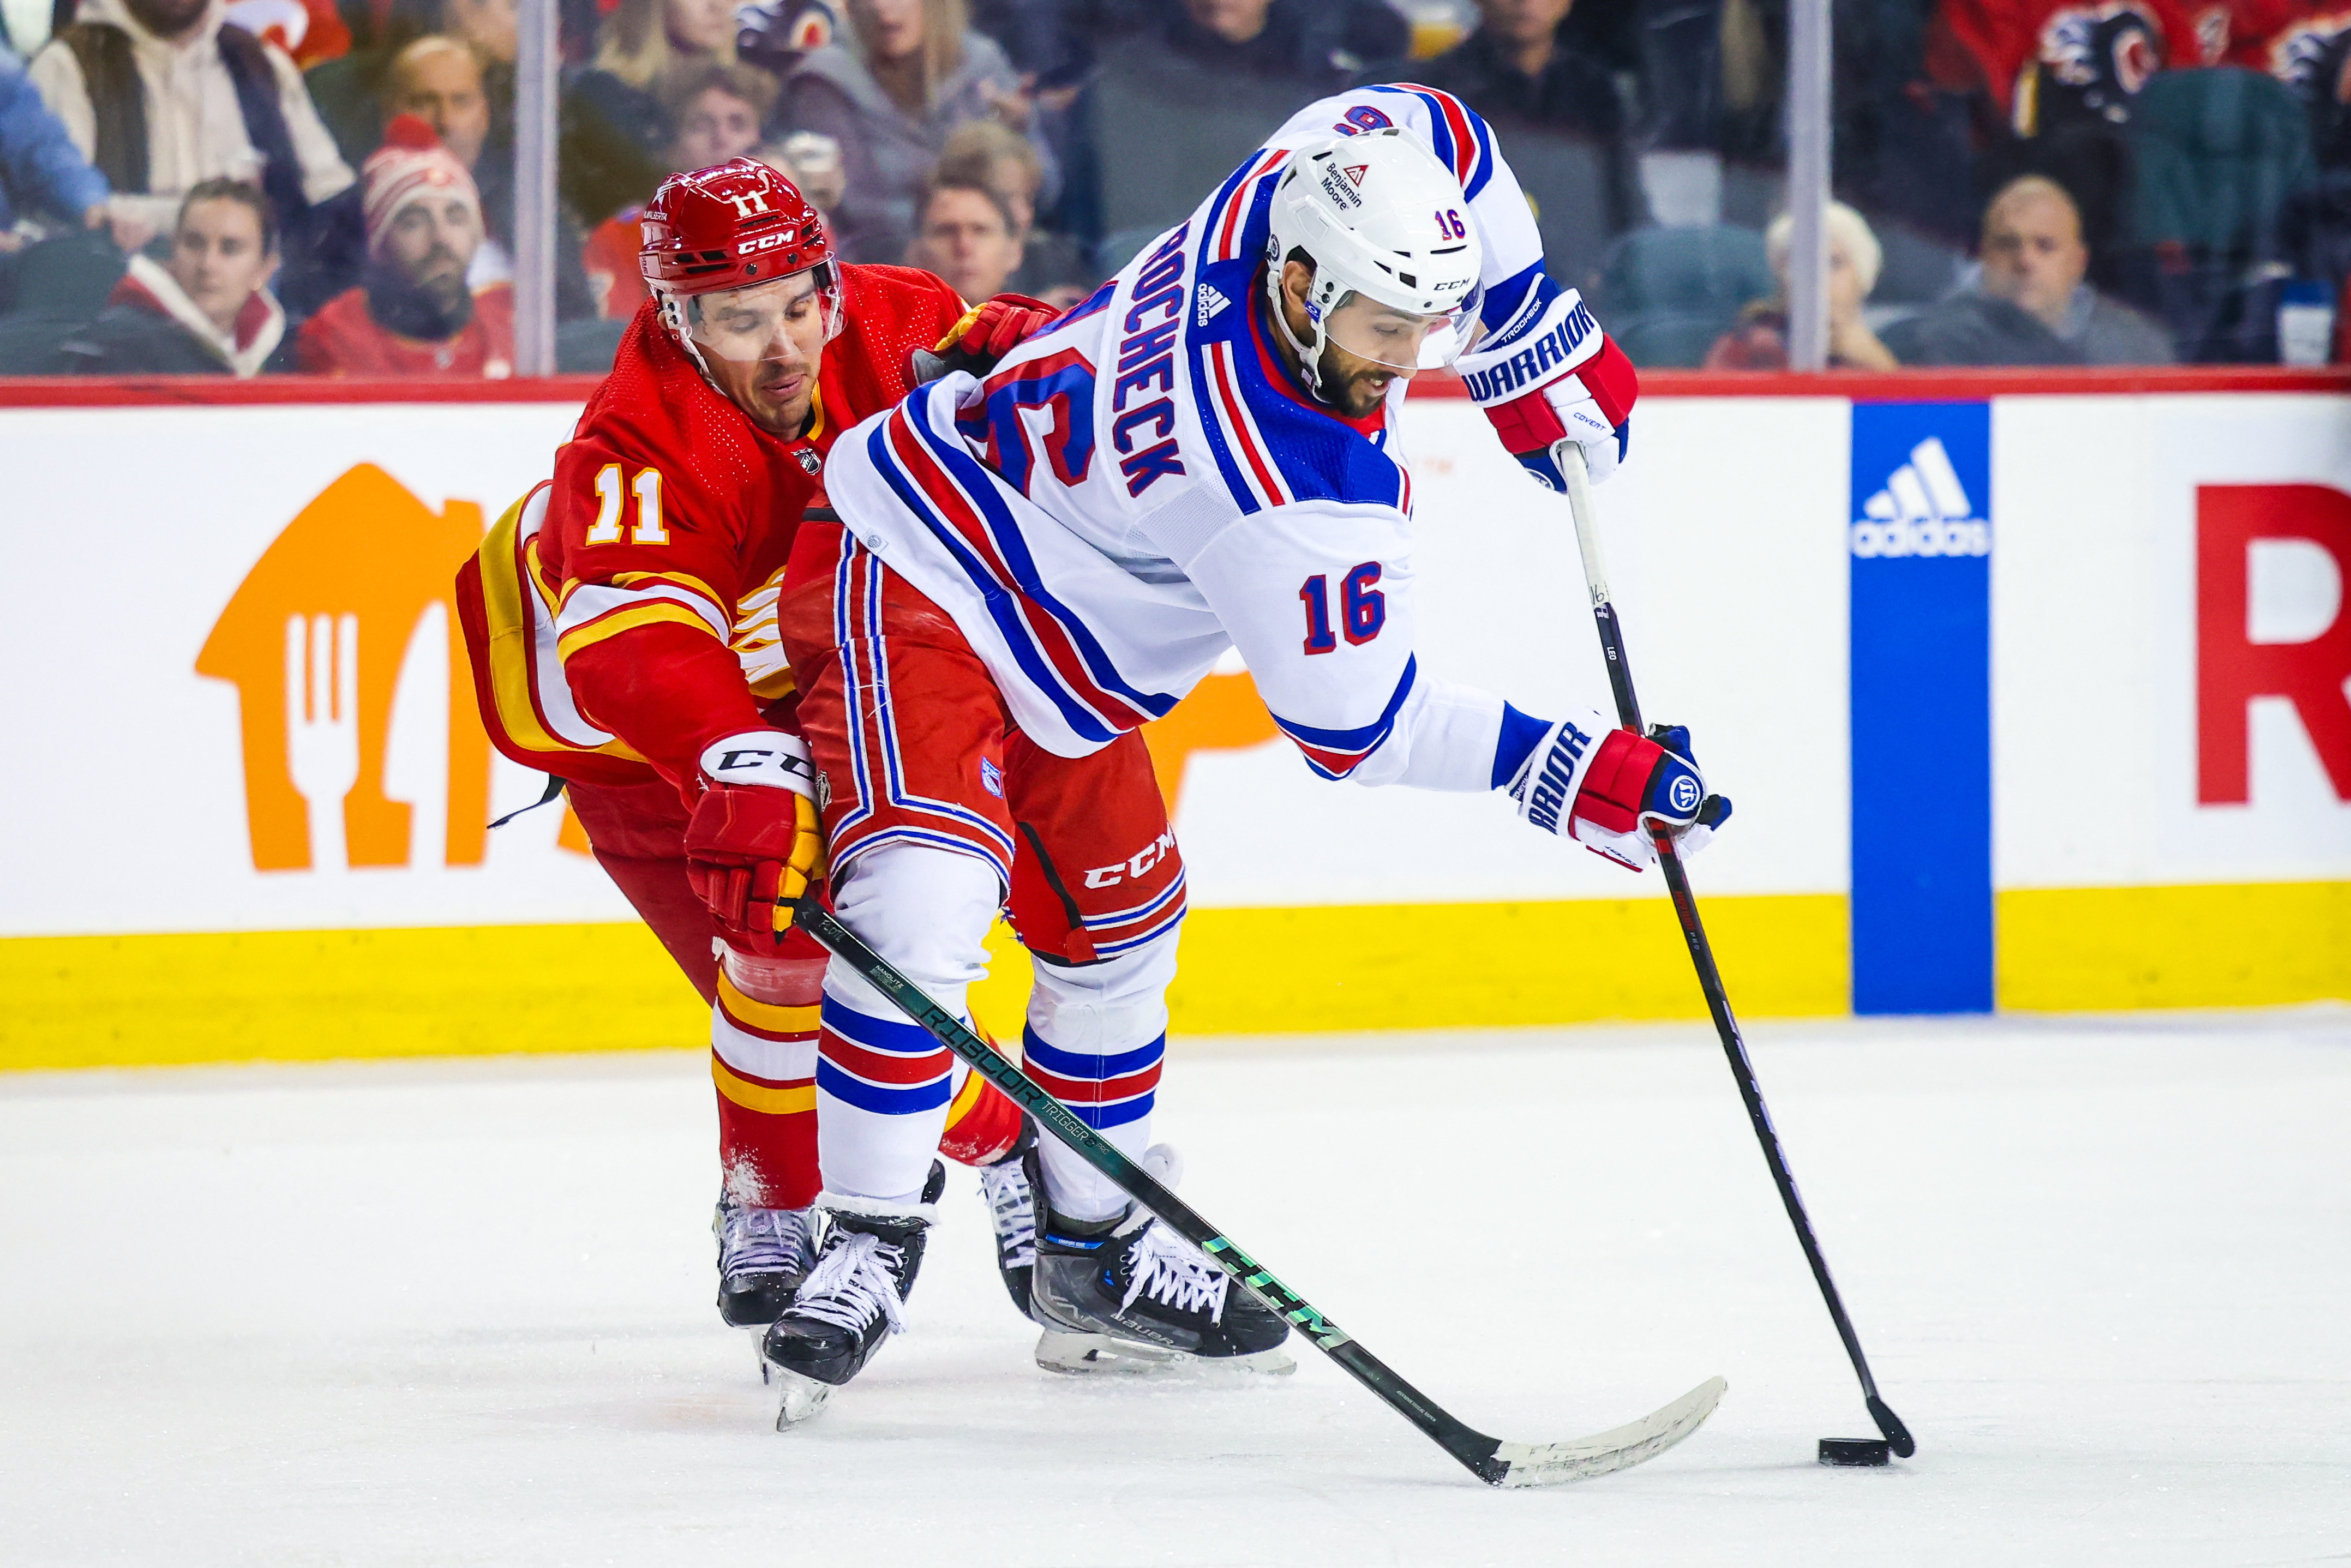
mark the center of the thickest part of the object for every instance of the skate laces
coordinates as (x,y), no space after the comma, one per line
(1172,1270)
(853,1282)
(766,1240)
(1013,1207)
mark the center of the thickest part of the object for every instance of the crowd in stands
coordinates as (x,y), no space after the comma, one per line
(328,186)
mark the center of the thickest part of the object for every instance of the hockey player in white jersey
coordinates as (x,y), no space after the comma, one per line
(1201,456)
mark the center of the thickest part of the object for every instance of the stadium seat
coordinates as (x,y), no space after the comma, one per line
(57,285)
(1665,294)
(2216,156)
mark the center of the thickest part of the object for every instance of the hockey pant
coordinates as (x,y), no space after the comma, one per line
(939,813)
(763,1014)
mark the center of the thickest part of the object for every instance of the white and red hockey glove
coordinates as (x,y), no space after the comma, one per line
(1610,789)
(1549,377)
(755,839)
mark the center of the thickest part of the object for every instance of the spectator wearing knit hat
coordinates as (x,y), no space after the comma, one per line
(412,313)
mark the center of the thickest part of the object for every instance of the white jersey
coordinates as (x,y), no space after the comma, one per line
(1144,484)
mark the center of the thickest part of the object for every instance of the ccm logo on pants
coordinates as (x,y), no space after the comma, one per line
(1135,864)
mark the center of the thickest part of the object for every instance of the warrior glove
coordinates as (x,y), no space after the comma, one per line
(1552,377)
(1610,790)
(755,840)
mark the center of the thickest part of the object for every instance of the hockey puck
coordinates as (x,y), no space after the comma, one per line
(1856,1451)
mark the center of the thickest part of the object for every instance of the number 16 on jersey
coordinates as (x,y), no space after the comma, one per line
(1363,609)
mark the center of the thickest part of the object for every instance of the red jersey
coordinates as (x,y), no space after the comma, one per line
(2044,60)
(623,613)
(344,339)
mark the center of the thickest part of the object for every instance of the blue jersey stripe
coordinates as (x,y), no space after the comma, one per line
(1363,737)
(1031,659)
(1013,545)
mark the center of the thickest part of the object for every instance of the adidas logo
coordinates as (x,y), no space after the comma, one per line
(1212,303)
(1924,511)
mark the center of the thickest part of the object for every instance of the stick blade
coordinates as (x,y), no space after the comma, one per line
(1547,1464)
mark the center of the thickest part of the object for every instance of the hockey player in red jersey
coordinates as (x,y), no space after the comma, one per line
(622,624)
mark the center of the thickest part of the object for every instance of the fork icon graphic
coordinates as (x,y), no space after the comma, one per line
(322,726)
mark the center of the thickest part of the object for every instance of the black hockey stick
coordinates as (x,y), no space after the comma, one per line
(1488,1459)
(1710,978)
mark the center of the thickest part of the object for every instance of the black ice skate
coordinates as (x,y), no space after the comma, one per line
(1131,1295)
(1011,1202)
(763,1254)
(850,1301)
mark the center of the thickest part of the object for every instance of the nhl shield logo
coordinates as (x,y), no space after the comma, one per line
(810,461)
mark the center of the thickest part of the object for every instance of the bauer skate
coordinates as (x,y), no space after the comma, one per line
(1131,1296)
(1011,1204)
(851,1300)
(763,1255)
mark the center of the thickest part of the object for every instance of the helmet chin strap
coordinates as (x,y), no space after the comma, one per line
(1309,356)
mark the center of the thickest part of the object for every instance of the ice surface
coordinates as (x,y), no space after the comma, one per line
(460,1313)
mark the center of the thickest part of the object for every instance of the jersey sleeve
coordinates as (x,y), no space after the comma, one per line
(648,566)
(1513,275)
(1319,598)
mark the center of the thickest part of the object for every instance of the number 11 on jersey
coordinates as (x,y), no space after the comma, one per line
(647,489)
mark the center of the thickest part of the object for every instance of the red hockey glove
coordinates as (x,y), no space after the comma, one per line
(754,840)
(989,331)
(1609,795)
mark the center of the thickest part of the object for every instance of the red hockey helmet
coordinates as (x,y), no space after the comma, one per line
(735,226)
(734,223)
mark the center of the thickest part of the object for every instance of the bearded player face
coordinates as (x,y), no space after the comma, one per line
(763,347)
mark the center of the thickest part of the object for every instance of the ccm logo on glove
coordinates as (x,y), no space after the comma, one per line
(755,842)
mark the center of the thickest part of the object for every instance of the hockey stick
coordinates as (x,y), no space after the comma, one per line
(1710,978)
(1488,1459)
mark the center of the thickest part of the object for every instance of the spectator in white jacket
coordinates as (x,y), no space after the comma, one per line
(161,95)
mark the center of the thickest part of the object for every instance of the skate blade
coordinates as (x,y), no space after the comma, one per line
(758,1337)
(801,1398)
(1083,1355)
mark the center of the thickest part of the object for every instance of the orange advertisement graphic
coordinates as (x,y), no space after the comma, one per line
(1223,713)
(350,666)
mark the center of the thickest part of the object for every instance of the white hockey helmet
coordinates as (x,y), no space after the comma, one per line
(1396,256)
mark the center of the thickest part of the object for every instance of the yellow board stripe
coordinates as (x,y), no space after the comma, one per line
(758,1096)
(2100,949)
(766,1016)
(90,1001)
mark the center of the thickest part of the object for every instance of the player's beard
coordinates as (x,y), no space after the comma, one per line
(1352,385)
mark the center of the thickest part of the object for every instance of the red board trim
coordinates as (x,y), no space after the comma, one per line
(1968,385)
(1895,386)
(165,391)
